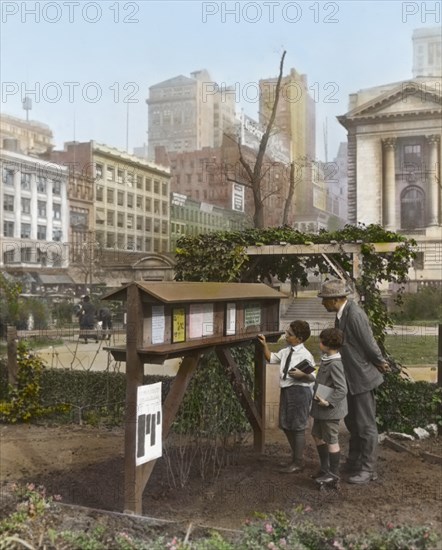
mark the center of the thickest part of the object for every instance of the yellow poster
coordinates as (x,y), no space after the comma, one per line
(178,325)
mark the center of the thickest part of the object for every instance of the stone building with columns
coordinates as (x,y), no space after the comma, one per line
(394,165)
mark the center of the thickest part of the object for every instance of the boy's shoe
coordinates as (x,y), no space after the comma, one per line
(327,478)
(317,474)
(363,477)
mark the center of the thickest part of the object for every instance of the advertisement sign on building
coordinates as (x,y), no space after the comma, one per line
(238,197)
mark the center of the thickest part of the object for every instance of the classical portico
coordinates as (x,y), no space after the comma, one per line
(394,160)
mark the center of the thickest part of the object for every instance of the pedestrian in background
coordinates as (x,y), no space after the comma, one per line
(87,319)
(105,317)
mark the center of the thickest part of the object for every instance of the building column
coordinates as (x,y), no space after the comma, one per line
(389,184)
(433,191)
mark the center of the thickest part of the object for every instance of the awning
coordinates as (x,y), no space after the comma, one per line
(60,279)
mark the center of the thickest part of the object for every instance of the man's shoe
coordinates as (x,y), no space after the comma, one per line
(292,468)
(363,477)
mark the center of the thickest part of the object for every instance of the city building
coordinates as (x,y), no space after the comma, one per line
(187,114)
(131,197)
(296,120)
(335,176)
(32,136)
(34,213)
(427,47)
(191,217)
(394,164)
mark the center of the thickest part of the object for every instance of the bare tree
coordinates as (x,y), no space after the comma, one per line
(253,176)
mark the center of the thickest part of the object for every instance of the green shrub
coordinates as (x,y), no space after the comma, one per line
(403,405)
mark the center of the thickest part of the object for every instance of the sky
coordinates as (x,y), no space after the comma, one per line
(88,66)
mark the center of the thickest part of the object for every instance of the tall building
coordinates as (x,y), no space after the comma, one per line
(335,175)
(427,48)
(296,119)
(187,114)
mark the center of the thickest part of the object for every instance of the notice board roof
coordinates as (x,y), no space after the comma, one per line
(179,292)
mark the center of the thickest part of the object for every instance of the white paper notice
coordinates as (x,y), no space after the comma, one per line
(231,318)
(158,324)
(149,431)
(200,320)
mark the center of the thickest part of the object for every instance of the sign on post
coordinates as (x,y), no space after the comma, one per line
(149,423)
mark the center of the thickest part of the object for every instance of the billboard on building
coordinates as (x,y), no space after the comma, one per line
(237,197)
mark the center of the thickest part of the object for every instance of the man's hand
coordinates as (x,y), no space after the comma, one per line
(322,402)
(383,368)
(262,339)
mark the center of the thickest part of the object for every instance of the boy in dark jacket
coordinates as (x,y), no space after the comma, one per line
(327,411)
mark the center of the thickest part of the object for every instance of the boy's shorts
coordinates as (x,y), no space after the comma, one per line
(327,430)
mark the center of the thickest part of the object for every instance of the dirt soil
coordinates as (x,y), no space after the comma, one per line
(85,466)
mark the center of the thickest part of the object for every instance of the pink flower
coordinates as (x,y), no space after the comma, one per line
(390,525)
(58,497)
(283,542)
(271,546)
(268,527)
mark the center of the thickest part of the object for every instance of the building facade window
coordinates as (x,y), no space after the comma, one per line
(8,229)
(56,187)
(25,231)
(412,208)
(110,196)
(57,234)
(8,176)
(120,198)
(110,173)
(41,184)
(25,181)
(56,211)
(8,203)
(25,206)
(41,209)
(41,232)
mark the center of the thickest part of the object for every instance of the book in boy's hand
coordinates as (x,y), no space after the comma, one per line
(305,366)
(323,392)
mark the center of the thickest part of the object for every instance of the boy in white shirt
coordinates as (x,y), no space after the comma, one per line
(296,389)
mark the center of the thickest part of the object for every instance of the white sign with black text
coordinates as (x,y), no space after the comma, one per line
(149,433)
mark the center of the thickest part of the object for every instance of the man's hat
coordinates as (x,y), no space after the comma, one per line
(335,288)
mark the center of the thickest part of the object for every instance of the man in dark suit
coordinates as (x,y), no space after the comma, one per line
(363,365)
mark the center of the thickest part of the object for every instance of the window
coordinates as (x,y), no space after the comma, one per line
(156,207)
(147,244)
(148,206)
(413,154)
(26,181)
(164,227)
(120,219)
(164,189)
(111,173)
(41,184)
(130,221)
(8,176)
(25,206)
(120,198)
(148,224)
(98,172)
(156,187)
(120,176)
(25,231)
(8,203)
(164,208)
(41,209)
(149,184)
(139,182)
(139,243)
(139,223)
(110,240)
(130,179)
(26,254)
(56,211)
(56,187)
(8,229)
(412,208)
(139,202)
(9,257)
(110,218)
(56,234)
(110,196)
(41,232)
(156,245)
(99,193)
(156,226)
(130,200)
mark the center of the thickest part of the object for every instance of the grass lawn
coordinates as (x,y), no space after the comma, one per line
(406,349)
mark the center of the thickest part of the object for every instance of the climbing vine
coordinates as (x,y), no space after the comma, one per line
(222,257)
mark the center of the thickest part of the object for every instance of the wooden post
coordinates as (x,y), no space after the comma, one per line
(260,396)
(134,378)
(12,355)
(439,357)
